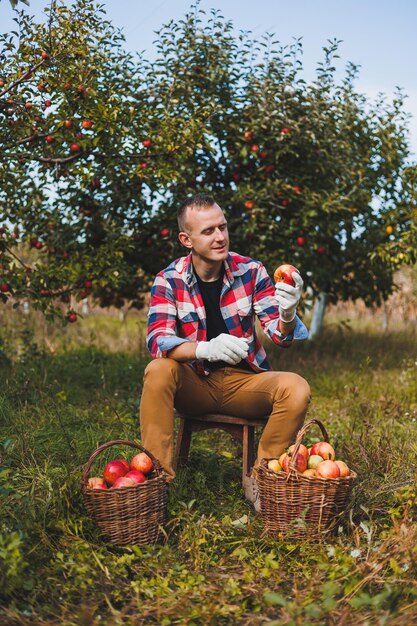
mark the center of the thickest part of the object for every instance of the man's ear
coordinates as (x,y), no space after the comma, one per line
(185,240)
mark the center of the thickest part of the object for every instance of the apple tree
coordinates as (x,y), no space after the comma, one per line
(99,147)
(86,145)
(308,173)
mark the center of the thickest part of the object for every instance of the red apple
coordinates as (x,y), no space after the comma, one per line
(323,449)
(44,55)
(302,450)
(125,464)
(74,147)
(165,232)
(123,482)
(254,148)
(114,470)
(96,482)
(309,472)
(285,131)
(48,103)
(321,249)
(249,204)
(142,463)
(146,143)
(86,124)
(88,284)
(282,458)
(4,287)
(138,477)
(49,139)
(72,317)
(248,135)
(299,462)
(283,274)
(327,469)
(344,469)
(68,123)
(28,105)
(297,189)
(301,241)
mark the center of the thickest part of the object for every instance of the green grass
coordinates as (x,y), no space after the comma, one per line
(62,397)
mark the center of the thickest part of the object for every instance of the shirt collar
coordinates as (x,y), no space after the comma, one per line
(185,267)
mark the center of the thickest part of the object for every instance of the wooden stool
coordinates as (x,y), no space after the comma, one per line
(240,428)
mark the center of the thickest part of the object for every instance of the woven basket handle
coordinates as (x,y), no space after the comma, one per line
(300,436)
(108,444)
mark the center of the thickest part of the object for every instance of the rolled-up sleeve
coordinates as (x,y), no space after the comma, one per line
(162,319)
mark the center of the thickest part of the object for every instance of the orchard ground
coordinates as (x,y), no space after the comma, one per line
(66,390)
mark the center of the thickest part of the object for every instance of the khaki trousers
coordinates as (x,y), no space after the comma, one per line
(284,396)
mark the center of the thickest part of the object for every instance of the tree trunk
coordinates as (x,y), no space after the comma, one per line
(385,319)
(317,317)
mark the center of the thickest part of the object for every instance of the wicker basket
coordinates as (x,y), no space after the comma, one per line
(131,515)
(300,506)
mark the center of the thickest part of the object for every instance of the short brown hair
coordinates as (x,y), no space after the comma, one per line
(199,200)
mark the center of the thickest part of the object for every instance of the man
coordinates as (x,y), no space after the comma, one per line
(201,334)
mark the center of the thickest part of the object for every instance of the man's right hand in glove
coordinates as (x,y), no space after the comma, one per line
(223,348)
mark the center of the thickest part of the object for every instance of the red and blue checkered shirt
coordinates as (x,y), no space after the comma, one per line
(177,314)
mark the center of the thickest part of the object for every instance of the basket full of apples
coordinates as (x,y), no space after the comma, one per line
(128,501)
(305,491)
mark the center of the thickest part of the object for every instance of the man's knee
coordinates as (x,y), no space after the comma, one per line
(159,370)
(296,389)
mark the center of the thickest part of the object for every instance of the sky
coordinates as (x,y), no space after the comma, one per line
(378,35)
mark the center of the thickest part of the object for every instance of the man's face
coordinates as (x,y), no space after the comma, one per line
(206,233)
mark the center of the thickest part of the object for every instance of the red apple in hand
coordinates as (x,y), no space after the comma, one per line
(142,463)
(283,274)
(138,477)
(114,470)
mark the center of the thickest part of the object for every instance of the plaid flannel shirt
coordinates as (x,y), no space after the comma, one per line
(177,314)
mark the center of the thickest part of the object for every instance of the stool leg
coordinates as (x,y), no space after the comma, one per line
(182,447)
(248,450)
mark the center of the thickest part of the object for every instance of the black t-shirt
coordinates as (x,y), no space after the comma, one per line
(216,325)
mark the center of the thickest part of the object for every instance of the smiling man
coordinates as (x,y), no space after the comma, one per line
(201,334)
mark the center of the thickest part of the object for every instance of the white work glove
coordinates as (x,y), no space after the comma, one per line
(223,348)
(288,297)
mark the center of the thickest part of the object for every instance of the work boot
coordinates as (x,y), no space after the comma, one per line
(250,487)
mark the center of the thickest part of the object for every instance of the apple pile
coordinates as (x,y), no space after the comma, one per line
(119,473)
(319,461)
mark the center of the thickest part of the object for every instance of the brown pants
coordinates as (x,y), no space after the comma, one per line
(284,396)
